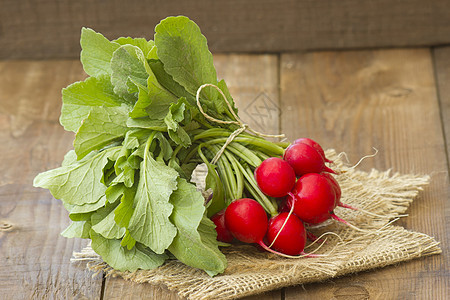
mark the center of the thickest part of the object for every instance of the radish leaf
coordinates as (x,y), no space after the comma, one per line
(96,52)
(121,258)
(150,224)
(195,243)
(103,126)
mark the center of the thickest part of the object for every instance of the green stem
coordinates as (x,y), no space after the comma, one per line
(245,154)
(262,155)
(271,148)
(213,132)
(219,132)
(201,155)
(228,173)
(274,205)
(239,175)
(255,195)
(175,152)
(221,170)
(282,144)
(190,154)
(204,122)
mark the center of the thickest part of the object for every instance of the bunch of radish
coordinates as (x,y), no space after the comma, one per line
(309,194)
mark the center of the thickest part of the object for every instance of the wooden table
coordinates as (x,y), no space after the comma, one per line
(397,101)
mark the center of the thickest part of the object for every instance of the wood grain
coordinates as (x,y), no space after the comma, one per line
(353,101)
(441,57)
(51,28)
(34,258)
(253,82)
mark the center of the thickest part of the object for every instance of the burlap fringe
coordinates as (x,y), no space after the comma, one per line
(251,271)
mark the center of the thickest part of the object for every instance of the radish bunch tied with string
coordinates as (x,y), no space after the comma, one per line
(149,113)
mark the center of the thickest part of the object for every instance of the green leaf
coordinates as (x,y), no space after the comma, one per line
(168,83)
(164,145)
(220,102)
(94,91)
(103,223)
(133,139)
(141,43)
(181,137)
(142,102)
(161,102)
(176,114)
(128,174)
(108,172)
(124,211)
(78,229)
(72,116)
(195,243)
(152,54)
(150,224)
(83,212)
(153,101)
(121,258)
(185,170)
(131,158)
(96,52)
(103,126)
(79,97)
(147,123)
(128,241)
(69,158)
(184,52)
(78,183)
(128,64)
(114,192)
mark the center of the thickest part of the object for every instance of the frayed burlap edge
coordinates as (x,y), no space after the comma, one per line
(251,271)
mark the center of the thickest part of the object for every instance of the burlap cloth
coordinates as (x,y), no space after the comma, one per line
(251,271)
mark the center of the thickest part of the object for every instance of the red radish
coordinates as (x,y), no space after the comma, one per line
(275,177)
(247,220)
(292,238)
(305,159)
(336,186)
(223,234)
(314,198)
(313,144)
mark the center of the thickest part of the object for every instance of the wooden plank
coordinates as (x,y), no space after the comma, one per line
(442,66)
(353,101)
(51,28)
(253,82)
(34,258)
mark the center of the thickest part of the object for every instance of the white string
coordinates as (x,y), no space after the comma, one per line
(282,227)
(242,126)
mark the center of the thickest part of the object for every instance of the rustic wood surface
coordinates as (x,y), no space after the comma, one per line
(352,101)
(51,28)
(34,258)
(442,70)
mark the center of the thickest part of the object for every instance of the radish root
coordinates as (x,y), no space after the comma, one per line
(358,163)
